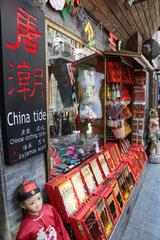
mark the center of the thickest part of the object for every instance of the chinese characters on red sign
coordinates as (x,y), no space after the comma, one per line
(27,76)
(27,32)
(24,79)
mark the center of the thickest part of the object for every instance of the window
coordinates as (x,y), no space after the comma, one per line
(75,101)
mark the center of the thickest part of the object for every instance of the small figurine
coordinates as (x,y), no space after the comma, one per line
(154,133)
(42,221)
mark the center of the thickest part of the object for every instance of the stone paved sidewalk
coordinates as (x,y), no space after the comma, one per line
(144,223)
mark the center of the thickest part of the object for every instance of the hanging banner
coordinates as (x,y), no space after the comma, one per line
(22,85)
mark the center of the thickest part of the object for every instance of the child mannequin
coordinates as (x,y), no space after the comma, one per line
(42,221)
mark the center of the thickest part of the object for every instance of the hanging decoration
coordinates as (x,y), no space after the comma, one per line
(57,4)
(88,29)
(70,8)
(75,4)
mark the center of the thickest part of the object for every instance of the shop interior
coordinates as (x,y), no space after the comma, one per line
(76,101)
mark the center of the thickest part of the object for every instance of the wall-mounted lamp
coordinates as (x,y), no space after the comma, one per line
(129,2)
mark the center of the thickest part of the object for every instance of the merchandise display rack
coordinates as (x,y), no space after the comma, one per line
(100,206)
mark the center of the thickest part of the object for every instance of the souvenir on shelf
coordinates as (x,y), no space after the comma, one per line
(129,178)
(112,206)
(114,152)
(104,218)
(86,224)
(118,194)
(127,128)
(88,178)
(127,74)
(140,151)
(124,146)
(139,94)
(79,187)
(123,185)
(113,71)
(103,164)
(133,160)
(126,113)
(109,160)
(69,198)
(126,95)
(96,171)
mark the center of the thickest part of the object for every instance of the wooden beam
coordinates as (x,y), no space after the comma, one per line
(116,10)
(128,16)
(136,17)
(142,16)
(152,15)
(149,20)
(157,5)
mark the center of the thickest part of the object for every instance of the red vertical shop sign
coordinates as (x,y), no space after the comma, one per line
(22,84)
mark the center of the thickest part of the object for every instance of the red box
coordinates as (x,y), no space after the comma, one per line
(125,179)
(140,77)
(140,151)
(104,217)
(138,113)
(109,160)
(103,164)
(88,178)
(60,200)
(112,184)
(96,169)
(124,145)
(139,94)
(111,204)
(139,106)
(114,152)
(133,160)
(137,138)
(86,223)
(67,193)
(138,125)
(118,194)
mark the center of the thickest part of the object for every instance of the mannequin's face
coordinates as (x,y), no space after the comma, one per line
(155,114)
(33,204)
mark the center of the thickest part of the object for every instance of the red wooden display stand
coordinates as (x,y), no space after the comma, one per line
(135,163)
(140,151)
(114,152)
(92,196)
(125,179)
(112,205)
(86,223)
(118,194)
